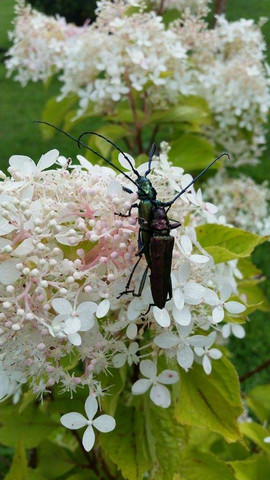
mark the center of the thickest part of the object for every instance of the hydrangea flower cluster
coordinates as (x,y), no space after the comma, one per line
(66,256)
(241,201)
(225,65)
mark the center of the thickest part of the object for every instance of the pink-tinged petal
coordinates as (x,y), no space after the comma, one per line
(73,420)
(199,258)
(211,208)
(166,340)
(132,331)
(168,377)
(119,360)
(148,368)
(141,386)
(182,317)
(8,272)
(238,330)
(72,325)
(24,165)
(215,353)
(218,314)
(162,317)
(124,162)
(186,244)
(178,298)
(207,366)
(234,307)
(160,395)
(48,159)
(91,406)
(75,339)
(61,305)
(226,330)
(225,292)
(88,439)
(185,357)
(104,423)
(103,308)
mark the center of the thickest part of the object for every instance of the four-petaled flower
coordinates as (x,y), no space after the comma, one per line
(103,423)
(159,394)
(218,313)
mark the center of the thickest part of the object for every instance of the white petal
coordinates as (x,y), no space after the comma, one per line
(86,309)
(207,366)
(198,340)
(48,159)
(103,308)
(91,406)
(8,272)
(226,330)
(186,244)
(24,165)
(141,386)
(234,307)
(211,298)
(215,353)
(119,360)
(160,395)
(72,325)
(73,420)
(168,377)
(61,305)
(86,324)
(178,298)
(218,314)
(225,292)
(266,440)
(124,162)
(185,357)
(104,423)
(238,330)
(166,340)
(183,272)
(132,331)
(84,162)
(148,368)
(133,348)
(182,317)
(5,226)
(75,339)
(162,317)
(25,247)
(134,309)
(88,439)
(199,258)
(193,293)
(211,208)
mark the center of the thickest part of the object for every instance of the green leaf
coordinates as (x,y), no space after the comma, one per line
(254,468)
(225,243)
(126,445)
(207,466)
(32,425)
(112,132)
(164,437)
(258,400)
(247,268)
(54,112)
(211,401)
(52,469)
(255,296)
(191,152)
(18,469)
(256,433)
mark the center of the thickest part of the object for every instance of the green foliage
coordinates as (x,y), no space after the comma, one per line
(74,11)
(198,464)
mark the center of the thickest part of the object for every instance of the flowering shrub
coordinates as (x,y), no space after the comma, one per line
(154,69)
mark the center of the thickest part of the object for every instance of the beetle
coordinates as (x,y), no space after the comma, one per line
(155,242)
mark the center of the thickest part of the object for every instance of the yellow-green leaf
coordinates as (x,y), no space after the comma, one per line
(211,401)
(258,400)
(225,243)
(254,468)
(256,433)
(18,469)
(199,465)
(191,152)
(54,112)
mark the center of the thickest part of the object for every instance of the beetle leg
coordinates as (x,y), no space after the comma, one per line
(174,225)
(129,212)
(127,190)
(141,284)
(148,310)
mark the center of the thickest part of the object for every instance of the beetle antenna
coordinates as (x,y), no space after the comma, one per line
(114,145)
(96,153)
(151,154)
(169,204)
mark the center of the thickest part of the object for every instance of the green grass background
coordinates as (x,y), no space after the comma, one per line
(19,135)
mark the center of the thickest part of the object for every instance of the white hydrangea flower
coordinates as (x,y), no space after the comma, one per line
(233,328)
(208,353)
(221,303)
(103,423)
(159,394)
